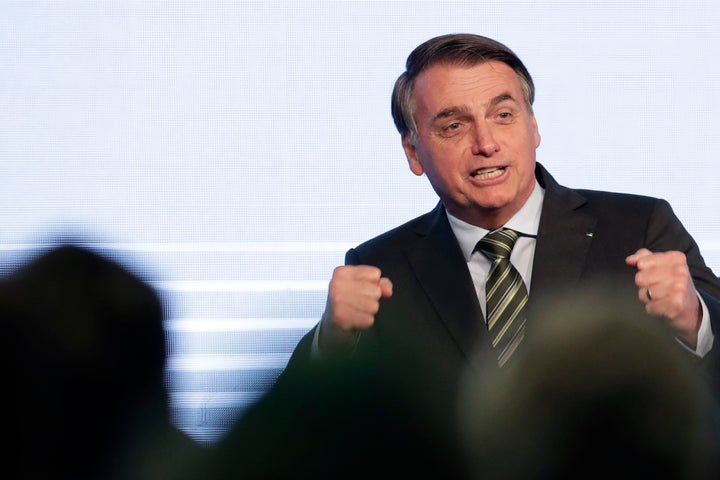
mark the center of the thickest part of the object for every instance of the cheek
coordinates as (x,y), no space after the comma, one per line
(442,161)
(532,133)
(525,143)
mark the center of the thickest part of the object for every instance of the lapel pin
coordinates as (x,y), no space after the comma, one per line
(589,234)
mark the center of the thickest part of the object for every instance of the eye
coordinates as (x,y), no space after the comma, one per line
(451,129)
(505,117)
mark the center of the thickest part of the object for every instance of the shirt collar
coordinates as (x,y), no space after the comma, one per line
(526,221)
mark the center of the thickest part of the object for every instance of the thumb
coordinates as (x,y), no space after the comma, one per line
(386,287)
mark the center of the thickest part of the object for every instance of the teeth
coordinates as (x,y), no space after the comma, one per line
(485,173)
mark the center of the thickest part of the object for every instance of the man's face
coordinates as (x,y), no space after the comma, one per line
(476,140)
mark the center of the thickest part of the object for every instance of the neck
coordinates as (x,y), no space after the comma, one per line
(487,219)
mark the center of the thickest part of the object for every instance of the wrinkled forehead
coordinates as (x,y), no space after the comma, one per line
(490,77)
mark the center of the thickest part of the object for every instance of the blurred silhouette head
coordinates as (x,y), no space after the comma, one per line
(597,391)
(88,347)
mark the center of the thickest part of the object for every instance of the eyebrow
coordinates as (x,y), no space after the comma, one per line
(453,111)
(501,98)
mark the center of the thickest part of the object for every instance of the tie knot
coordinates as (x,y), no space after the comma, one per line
(498,244)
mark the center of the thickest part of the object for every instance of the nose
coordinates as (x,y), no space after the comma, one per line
(484,142)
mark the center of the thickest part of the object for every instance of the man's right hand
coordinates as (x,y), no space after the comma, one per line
(353,300)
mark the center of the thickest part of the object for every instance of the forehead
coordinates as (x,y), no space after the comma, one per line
(444,85)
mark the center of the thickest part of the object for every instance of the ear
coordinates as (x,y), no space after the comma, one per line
(411,155)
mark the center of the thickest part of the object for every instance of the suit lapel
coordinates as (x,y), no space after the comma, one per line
(559,264)
(442,271)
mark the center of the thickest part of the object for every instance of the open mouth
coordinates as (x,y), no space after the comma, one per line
(488,173)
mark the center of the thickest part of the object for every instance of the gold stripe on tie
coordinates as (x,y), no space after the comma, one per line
(506,294)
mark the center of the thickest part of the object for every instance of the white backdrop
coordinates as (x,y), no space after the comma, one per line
(230,152)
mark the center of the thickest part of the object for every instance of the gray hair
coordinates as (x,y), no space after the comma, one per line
(462,49)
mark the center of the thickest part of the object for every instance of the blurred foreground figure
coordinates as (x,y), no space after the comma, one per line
(86,342)
(343,418)
(596,393)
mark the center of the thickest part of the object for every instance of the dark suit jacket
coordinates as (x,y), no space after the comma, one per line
(433,319)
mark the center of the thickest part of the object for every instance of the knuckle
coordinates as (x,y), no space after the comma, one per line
(677,256)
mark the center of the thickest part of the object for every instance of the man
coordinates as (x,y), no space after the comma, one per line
(463,108)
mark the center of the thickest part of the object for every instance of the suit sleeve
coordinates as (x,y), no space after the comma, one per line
(666,232)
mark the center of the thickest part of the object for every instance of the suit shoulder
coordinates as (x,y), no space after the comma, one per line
(399,234)
(607,199)
(388,245)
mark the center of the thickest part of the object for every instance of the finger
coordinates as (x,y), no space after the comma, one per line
(360,295)
(354,313)
(632,260)
(355,281)
(667,270)
(363,272)
(670,261)
(646,294)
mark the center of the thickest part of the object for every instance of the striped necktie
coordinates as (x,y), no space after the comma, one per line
(506,294)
